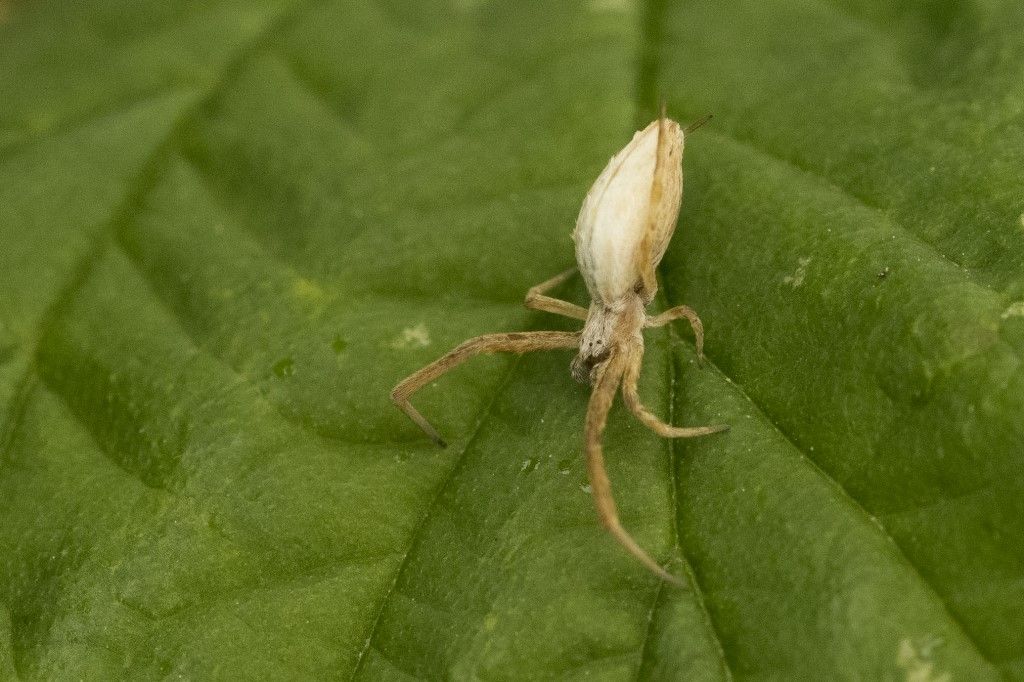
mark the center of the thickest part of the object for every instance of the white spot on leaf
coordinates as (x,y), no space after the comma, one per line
(307,289)
(617,6)
(797,278)
(914,658)
(412,337)
(1015,309)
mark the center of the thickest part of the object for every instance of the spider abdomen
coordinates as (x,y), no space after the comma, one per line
(630,213)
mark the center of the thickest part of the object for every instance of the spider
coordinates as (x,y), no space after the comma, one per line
(622,232)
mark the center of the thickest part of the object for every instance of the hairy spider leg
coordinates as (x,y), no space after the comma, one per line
(537,300)
(514,342)
(673,314)
(601,399)
(632,399)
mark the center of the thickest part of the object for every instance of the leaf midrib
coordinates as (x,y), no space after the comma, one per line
(674,457)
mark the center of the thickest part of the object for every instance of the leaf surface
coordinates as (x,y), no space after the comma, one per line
(229,228)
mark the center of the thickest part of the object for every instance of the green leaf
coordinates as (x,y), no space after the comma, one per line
(229,228)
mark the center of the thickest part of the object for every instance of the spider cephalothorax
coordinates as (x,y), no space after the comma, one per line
(623,229)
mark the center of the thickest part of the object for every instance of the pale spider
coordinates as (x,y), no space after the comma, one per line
(623,229)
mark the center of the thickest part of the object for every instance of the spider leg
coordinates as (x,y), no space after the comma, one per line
(673,314)
(515,342)
(537,300)
(601,489)
(632,398)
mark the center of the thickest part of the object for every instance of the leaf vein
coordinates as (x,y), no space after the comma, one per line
(421,525)
(844,496)
(674,456)
(883,214)
(652,21)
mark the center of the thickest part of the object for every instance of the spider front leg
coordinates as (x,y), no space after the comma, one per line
(515,342)
(673,314)
(632,397)
(537,300)
(601,398)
